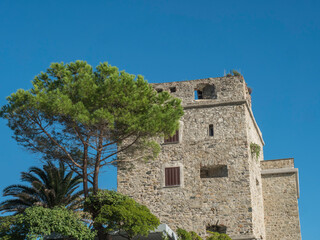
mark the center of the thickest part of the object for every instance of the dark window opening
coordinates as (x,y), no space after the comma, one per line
(198,94)
(173,139)
(173,89)
(217,228)
(205,91)
(172,176)
(211,132)
(216,171)
(159,90)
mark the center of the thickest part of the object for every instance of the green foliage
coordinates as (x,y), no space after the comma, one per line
(85,117)
(121,213)
(37,222)
(255,149)
(49,187)
(185,235)
(233,73)
(236,73)
(94,202)
(195,236)
(218,236)
(9,230)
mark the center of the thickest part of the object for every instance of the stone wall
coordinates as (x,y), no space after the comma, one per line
(233,199)
(280,193)
(226,88)
(254,136)
(277,163)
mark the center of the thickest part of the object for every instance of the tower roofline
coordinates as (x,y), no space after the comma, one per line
(200,79)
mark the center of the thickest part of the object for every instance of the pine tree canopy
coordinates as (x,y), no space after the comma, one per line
(86,117)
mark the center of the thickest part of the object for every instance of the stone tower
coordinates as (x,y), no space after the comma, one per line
(212,173)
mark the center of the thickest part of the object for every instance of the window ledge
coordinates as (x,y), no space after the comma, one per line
(168,143)
(174,186)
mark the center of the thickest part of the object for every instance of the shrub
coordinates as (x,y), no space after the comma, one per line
(38,222)
(218,236)
(236,73)
(185,235)
(117,212)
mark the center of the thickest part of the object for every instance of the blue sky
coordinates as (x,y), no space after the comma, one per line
(274,44)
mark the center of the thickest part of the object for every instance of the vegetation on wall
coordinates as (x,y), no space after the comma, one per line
(255,149)
(236,73)
(233,72)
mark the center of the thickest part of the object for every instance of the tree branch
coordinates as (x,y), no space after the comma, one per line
(56,143)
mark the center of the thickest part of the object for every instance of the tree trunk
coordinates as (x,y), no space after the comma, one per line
(96,179)
(97,165)
(85,172)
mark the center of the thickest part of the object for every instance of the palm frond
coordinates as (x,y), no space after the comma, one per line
(49,187)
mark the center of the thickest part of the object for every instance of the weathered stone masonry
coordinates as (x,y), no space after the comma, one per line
(221,181)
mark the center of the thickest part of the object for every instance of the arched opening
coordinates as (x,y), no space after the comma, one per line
(205,91)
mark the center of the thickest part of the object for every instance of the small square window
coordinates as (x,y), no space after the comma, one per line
(172,176)
(173,89)
(159,90)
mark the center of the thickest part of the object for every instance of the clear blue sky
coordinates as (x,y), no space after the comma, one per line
(275,45)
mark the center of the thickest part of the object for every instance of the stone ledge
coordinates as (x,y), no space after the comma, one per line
(284,171)
(207,103)
(249,237)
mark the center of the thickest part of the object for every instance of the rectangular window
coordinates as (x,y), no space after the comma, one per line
(173,139)
(211,133)
(215,171)
(172,176)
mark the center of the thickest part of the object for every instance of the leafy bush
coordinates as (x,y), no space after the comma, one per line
(38,222)
(195,236)
(94,202)
(218,236)
(185,235)
(118,212)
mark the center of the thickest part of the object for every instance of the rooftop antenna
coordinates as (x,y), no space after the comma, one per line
(224,72)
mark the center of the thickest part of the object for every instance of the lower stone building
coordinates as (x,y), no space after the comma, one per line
(211,175)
